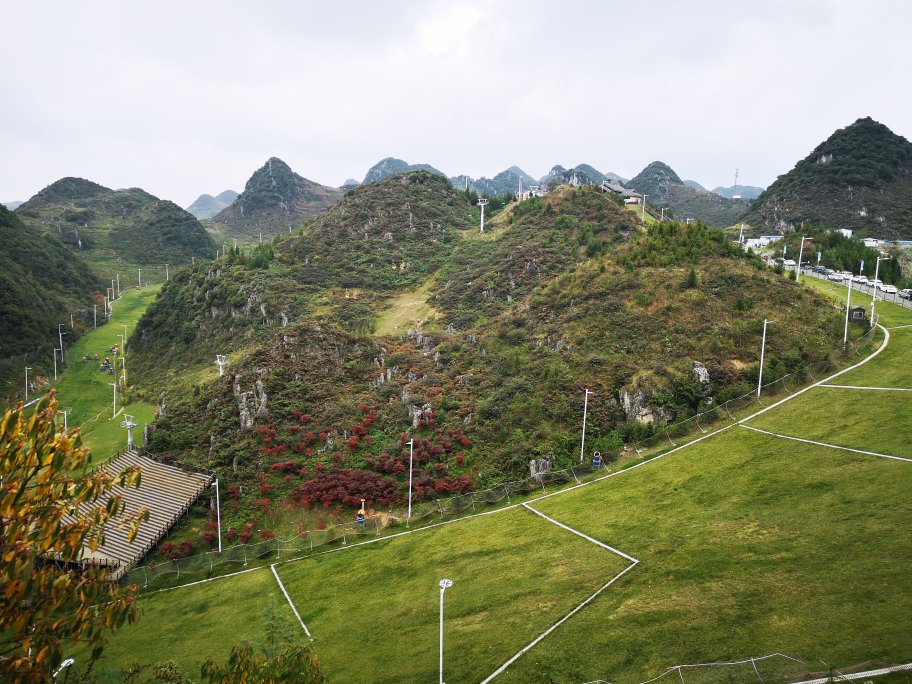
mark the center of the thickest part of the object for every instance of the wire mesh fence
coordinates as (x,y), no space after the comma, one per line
(776,668)
(163,573)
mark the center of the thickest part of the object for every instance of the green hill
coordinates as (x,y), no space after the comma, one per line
(563,292)
(275,199)
(116,231)
(860,178)
(41,283)
(664,188)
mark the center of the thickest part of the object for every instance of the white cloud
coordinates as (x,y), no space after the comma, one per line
(185,98)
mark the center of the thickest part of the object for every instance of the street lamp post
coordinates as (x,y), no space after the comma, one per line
(411,444)
(27,369)
(762,351)
(444,585)
(800,254)
(218,515)
(643,218)
(845,335)
(55,364)
(585,409)
(874,296)
(114,384)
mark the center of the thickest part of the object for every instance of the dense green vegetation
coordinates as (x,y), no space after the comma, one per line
(859,178)
(842,253)
(560,293)
(41,283)
(117,231)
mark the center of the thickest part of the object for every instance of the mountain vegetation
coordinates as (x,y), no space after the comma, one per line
(664,188)
(747,192)
(207,206)
(41,283)
(860,178)
(116,230)
(275,199)
(560,293)
(390,166)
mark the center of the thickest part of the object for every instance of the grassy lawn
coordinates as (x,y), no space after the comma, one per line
(190,625)
(748,545)
(373,610)
(891,368)
(869,420)
(408,310)
(889,314)
(638,210)
(85,392)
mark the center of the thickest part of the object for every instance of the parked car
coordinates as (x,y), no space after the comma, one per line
(837,277)
(863,280)
(877,283)
(889,289)
(906,293)
(820,269)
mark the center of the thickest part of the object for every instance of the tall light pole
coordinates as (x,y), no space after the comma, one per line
(118,285)
(800,253)
(114,385)
(411,444)
(124,338)
(845,335)
(95,316)
(129,423)
(139,277)
(874,296)
(444,585)
(218,514)
(762,351)
(482,202)
(60,337)
(643,218)
(27,369)
(55,364)
(167,275)
(221,361)
(662,218)
(585,409)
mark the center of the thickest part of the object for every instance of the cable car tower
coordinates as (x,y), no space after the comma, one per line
(482,202)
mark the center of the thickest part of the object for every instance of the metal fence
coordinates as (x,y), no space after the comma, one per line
(776,668)
(859,287)
(166,573)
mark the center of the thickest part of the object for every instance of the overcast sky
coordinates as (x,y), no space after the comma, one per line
(182,98)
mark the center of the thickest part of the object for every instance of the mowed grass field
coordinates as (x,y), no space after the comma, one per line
(195,623)
(373,609)
(748,544)
(86,394)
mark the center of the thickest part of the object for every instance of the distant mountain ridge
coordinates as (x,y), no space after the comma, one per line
(109,227)
(206,206)
(860,178)
(746,191)
(275,198)
(391,166)
(663,187)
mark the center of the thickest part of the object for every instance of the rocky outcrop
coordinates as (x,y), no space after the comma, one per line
(251,402)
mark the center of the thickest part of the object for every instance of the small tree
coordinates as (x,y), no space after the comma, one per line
(47,596)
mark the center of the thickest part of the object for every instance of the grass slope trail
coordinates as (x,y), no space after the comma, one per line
(373,609)
(86,393)
(748,545)
(199,622)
